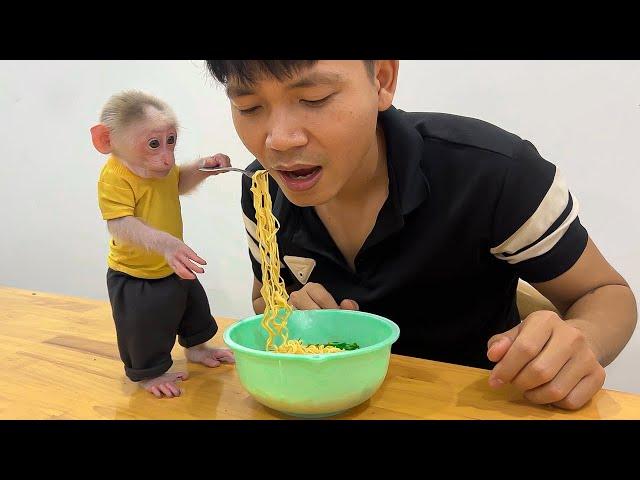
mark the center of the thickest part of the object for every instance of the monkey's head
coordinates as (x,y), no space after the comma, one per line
(140,130)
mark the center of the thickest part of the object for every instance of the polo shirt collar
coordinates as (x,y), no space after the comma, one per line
(405,149)
(408,188)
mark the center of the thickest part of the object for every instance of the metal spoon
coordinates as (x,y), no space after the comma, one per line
(227,169)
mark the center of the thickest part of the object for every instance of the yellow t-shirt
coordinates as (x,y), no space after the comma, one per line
(155,201)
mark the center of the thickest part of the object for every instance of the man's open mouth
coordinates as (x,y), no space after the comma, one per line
(301,173)
(300,178)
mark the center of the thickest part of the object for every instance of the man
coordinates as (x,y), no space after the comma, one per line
(429,220)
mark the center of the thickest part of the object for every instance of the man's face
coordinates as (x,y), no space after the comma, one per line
(314,130)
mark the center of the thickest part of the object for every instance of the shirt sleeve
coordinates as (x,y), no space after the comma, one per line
(536,229)
(115,199)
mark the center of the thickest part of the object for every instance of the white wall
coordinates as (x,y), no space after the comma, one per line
(584,116)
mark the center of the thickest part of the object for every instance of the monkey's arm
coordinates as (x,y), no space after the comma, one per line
(191,177)
(184,261)
(134,231)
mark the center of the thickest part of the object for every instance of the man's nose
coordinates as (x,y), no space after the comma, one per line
(285,133)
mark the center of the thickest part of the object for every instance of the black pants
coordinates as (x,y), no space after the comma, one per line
(150,313)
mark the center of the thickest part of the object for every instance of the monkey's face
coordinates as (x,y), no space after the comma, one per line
(149,145)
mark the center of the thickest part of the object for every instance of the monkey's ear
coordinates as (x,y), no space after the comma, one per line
(101,138)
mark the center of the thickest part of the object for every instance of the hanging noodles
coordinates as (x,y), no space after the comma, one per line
(277,308)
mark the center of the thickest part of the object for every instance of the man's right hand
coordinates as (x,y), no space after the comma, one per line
(182,259)
(314,296)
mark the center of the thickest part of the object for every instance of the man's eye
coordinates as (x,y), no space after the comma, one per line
(316,103)
(248,111)
(154,143)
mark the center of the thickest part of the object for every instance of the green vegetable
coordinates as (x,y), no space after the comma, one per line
(340,345)
(345,346)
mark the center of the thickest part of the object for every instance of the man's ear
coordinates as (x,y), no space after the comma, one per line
(386,77)
(101,138)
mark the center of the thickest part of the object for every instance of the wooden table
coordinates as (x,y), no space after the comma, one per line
(60,361)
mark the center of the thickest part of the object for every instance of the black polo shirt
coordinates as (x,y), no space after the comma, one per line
(471,208)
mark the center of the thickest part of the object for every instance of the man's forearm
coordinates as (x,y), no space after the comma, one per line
(258,301)
(607,316)
(259,305)
(190,177)
(134,231)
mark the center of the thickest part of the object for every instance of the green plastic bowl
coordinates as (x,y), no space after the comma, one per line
(314,385)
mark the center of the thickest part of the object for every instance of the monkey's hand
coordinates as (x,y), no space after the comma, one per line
(191,176)
(218,160)
(182,259)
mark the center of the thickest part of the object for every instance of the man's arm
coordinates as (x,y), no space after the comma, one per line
(560,359)
(595,299)
(311,296)
(256,297)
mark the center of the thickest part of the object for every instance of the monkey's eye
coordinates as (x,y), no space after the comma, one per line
(171,139)
(154,143)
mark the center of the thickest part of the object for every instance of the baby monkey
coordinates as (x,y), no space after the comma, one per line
(153,289)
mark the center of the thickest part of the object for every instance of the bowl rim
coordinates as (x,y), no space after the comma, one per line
(314,357)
